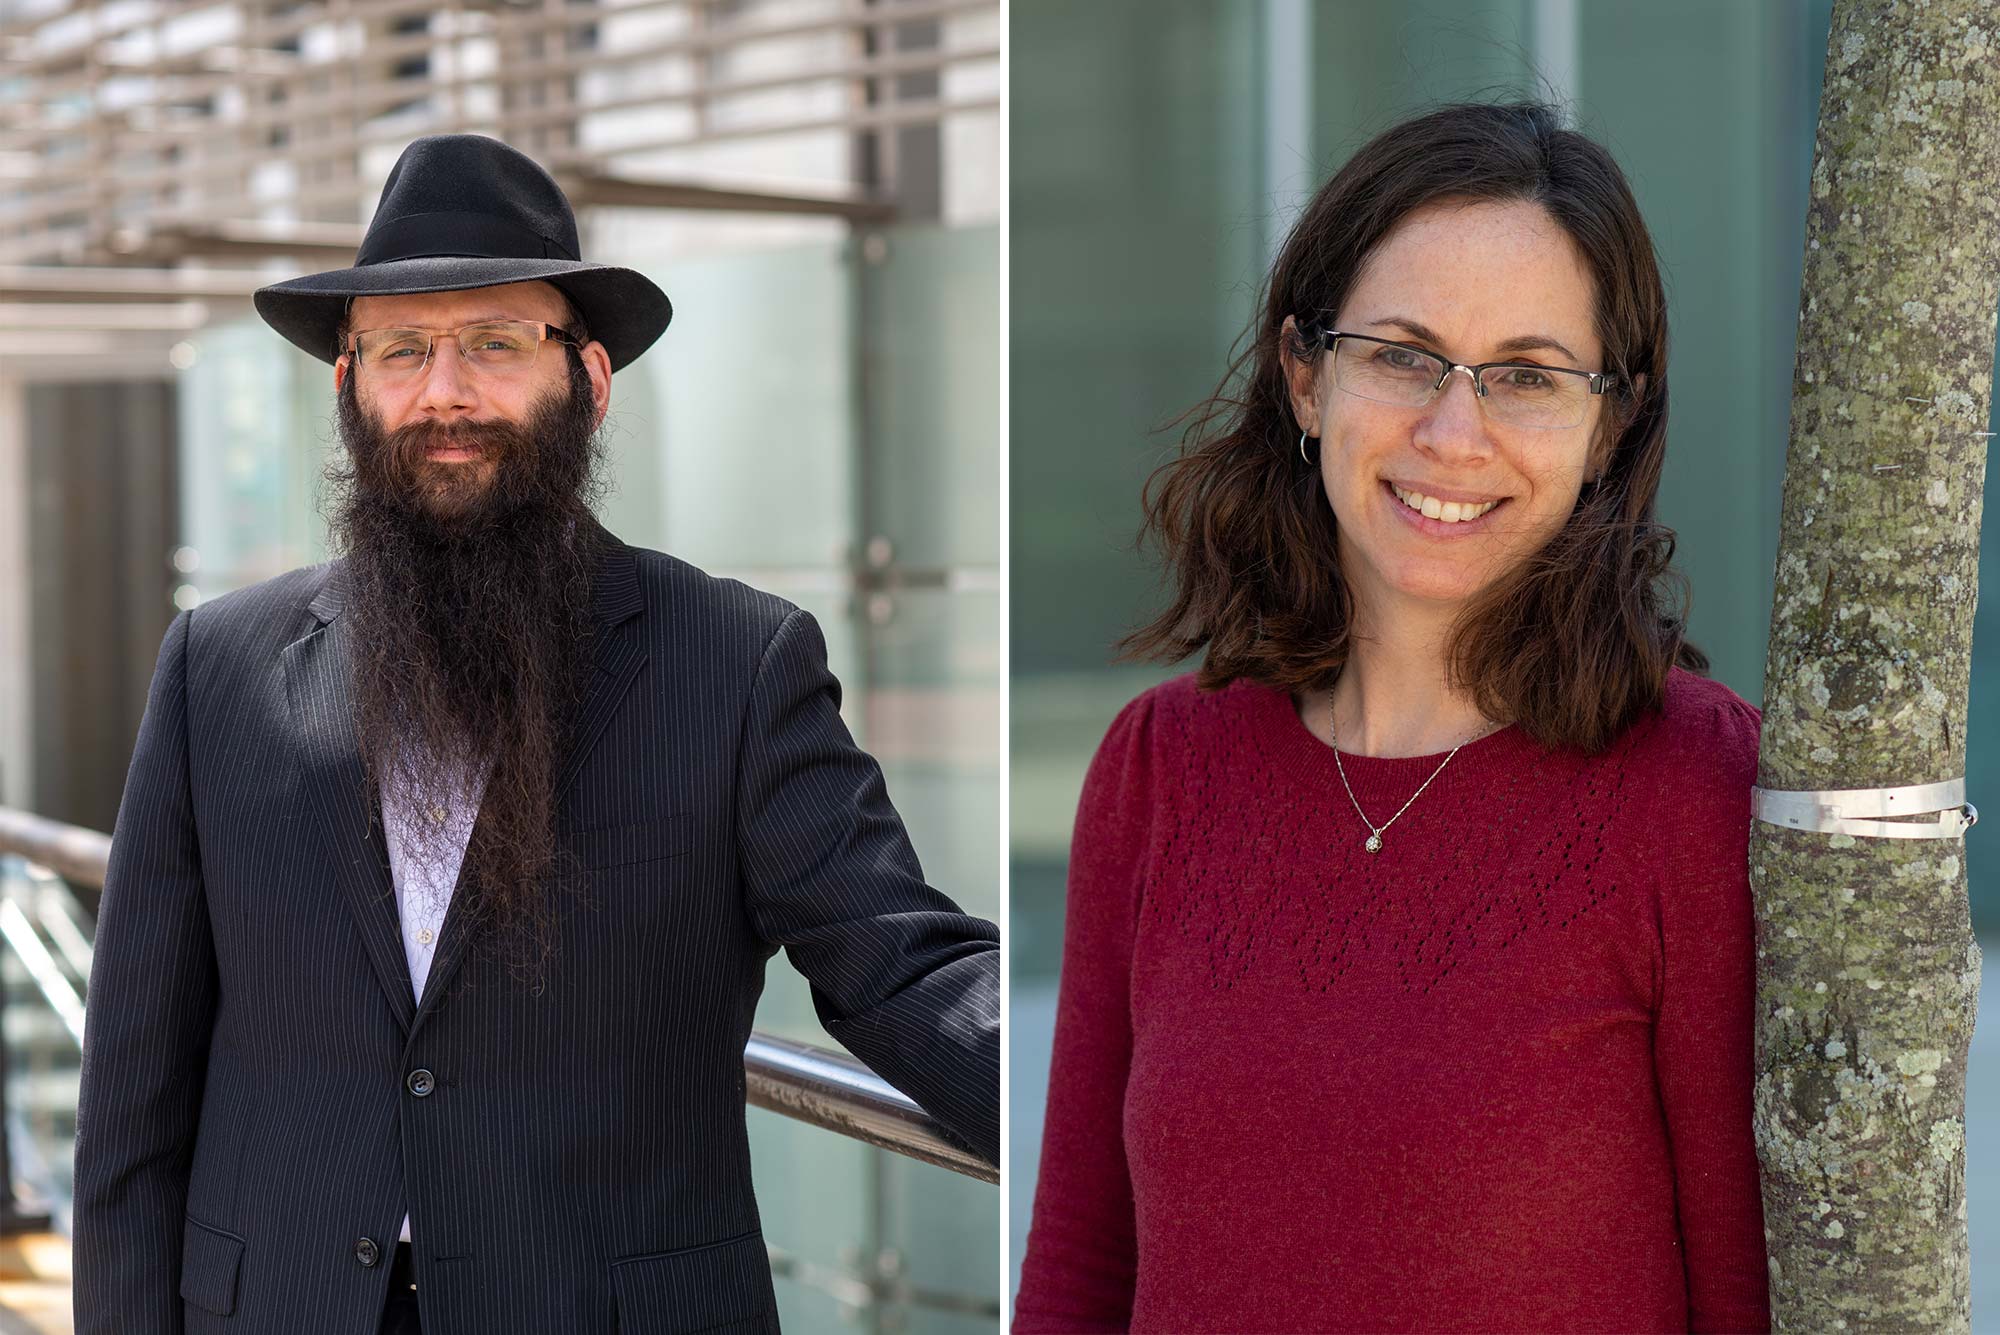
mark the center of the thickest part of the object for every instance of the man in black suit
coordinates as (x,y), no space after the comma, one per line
(446,873)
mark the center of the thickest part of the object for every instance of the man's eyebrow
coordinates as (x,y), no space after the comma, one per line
(1519,343)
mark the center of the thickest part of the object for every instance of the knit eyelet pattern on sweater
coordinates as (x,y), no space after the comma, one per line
(1258,880)
(1496,1076)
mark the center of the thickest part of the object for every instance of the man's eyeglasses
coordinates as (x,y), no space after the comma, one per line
(1516,393)
(494,347)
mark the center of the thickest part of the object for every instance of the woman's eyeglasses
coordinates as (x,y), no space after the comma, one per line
(1516,393)
(494,347)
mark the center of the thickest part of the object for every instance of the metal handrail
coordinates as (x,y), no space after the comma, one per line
(70,851)
(809,1084)
(826,1089)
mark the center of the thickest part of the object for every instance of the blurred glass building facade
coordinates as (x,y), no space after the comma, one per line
(814,183)
(1159,150)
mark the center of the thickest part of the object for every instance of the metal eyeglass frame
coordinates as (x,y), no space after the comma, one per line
(550,333)
(1596,382)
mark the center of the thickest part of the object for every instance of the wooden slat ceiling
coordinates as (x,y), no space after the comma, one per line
(140,140)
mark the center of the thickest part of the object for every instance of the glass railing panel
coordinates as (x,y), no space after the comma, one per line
(43,988)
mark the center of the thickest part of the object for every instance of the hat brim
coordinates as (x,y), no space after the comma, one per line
(626,311)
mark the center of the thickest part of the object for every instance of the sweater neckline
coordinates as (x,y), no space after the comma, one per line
(1294,746)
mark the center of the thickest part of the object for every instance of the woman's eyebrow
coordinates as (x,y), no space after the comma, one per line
(1519,343)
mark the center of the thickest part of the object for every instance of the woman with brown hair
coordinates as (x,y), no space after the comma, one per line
(1408,976)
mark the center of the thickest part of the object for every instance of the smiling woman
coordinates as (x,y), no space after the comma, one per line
(1357,1032)
(1408,448)
(1475,232)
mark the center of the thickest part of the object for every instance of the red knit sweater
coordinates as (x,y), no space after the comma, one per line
(1495,1077)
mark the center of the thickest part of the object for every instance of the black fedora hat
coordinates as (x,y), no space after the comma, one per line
(465,210)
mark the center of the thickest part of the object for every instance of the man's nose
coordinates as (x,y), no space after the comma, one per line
(447,383)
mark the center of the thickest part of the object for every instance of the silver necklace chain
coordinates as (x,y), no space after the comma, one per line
(1374,841)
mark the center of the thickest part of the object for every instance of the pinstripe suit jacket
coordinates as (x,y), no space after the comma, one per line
(577,1159)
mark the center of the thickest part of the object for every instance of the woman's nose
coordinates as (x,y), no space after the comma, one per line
(1455,422)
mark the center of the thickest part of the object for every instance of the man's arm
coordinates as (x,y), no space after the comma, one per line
(907,982)
(151,1009)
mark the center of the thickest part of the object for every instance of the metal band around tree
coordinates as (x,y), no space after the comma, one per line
(1848,810)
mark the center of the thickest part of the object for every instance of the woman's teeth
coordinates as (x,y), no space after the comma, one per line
(1451,512)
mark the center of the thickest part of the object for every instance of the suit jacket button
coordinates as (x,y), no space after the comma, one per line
(421,1083)
(366,1252)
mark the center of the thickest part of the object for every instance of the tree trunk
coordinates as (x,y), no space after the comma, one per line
(1868,975)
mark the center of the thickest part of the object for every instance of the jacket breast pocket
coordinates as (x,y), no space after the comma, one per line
(718,1287)
(623,845)
(209,1260)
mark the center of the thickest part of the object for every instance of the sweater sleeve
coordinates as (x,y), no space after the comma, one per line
(1082,1253)
(1703,1049)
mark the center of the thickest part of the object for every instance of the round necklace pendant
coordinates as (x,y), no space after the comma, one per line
(1374,844)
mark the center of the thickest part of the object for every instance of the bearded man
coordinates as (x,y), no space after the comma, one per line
(446,873)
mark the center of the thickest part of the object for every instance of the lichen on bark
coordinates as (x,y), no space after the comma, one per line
(1868,973)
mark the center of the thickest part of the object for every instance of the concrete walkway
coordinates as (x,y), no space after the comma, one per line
(34,1285)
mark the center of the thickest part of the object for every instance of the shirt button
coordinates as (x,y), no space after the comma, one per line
(424,937)
(366,1252)
(438,814)
(421,1083)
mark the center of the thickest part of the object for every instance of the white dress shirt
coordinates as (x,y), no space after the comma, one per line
(423,892)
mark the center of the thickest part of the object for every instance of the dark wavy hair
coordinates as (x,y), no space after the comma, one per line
(1575,643)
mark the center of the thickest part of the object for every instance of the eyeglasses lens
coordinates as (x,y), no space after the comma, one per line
(501,348)
(1516,395)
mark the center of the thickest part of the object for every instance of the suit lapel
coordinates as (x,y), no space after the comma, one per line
(617,655)
(316,679)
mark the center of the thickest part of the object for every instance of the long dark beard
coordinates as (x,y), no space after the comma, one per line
(470,618)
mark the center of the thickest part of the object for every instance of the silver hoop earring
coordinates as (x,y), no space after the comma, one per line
(1302,449)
